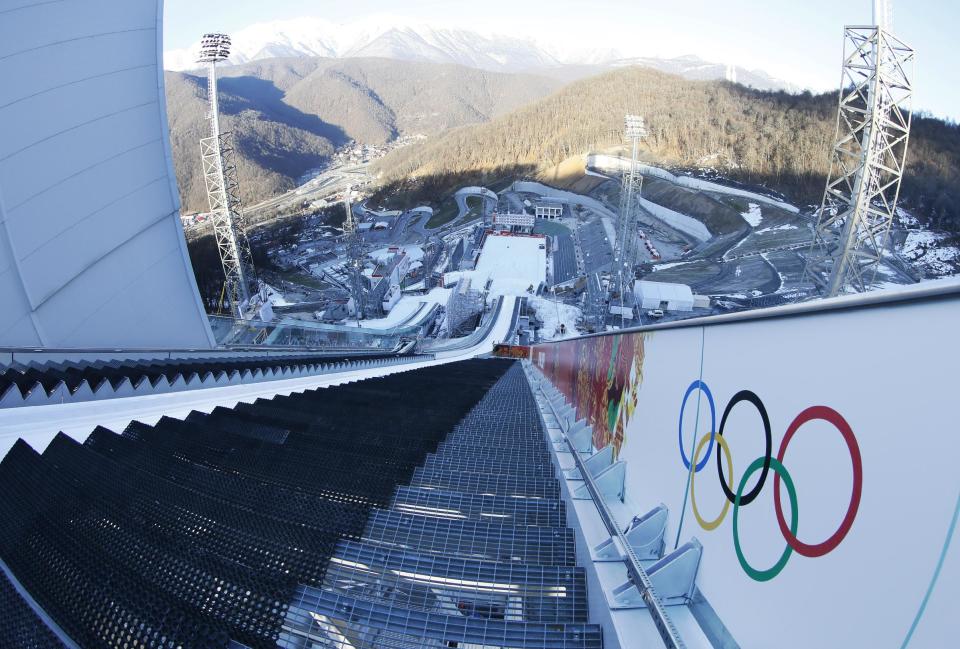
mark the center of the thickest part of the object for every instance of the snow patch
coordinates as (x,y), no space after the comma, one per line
(779,228)
(513,263)
(753,215)
(927,250)
(553,314)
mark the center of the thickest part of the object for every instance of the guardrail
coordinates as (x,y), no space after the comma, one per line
(638,576)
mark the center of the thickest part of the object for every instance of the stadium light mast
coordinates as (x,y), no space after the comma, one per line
(625,257)
(354,256)
(223,185)
(867,162)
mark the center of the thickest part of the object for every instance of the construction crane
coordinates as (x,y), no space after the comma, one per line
(868,158)
(223,186)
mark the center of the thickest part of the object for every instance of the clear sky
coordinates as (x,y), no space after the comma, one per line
(799,41)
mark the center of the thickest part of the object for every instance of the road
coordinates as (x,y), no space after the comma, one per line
(595,247)
(564,259)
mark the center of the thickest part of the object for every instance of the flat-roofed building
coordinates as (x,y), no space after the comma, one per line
(549,210)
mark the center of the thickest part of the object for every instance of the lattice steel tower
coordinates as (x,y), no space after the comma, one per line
(873,129)
(223,185)
(625,255)
(354,257)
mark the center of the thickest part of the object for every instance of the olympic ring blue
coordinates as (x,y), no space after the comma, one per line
(698,384)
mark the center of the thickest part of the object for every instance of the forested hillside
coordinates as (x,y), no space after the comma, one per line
(290,114)
(774,139)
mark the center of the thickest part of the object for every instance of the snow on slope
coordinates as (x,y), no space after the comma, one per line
(553,314)
(399,38)
(378,36)
(753,215)
(931,252)
(514,263)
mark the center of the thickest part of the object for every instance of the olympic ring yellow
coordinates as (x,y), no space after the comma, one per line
(711,525)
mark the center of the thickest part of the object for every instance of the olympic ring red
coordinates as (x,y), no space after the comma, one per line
(833,417)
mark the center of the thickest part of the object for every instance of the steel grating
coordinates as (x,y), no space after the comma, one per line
(294,522)
(516,511)
(320,618)
(455,585)
(19,624)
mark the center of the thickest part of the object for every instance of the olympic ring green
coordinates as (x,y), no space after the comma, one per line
(779,469)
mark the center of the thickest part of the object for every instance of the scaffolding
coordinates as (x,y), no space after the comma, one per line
(462,306)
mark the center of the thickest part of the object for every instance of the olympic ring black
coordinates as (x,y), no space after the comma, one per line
(747,395)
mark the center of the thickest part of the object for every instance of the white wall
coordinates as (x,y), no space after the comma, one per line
(617,164)
(91,249)
(889,372)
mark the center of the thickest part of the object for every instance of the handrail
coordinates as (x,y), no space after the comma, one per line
(638,576)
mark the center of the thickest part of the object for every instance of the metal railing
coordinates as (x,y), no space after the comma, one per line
(233,332)
(638,576)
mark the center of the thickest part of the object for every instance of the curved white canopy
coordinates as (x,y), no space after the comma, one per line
(92,252)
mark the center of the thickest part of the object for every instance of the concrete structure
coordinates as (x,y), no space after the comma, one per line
(92,252)
(663,296)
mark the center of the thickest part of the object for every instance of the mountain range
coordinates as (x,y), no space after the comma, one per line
(409,41)
(779,141)
(289,115)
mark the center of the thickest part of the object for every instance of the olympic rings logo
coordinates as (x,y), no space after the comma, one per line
(735,494)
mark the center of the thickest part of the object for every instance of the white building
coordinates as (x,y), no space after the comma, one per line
(549,210)
(522,222)
(663,296)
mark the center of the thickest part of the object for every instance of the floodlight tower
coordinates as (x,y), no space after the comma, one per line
(625,256)
(867,162)
(223,186)
(354,257)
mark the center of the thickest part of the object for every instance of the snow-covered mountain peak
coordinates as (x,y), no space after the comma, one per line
(399,38)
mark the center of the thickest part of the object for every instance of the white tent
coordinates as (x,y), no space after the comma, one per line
(661,295)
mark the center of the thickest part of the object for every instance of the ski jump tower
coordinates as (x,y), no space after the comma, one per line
(354,257)
(625,257)
(873,128)
(223,185)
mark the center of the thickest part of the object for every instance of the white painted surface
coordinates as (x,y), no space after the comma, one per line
(889,372)
(614,163)
(686,224)
(92,253)
(651,295)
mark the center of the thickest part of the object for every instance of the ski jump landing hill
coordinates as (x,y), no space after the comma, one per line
(811,451)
